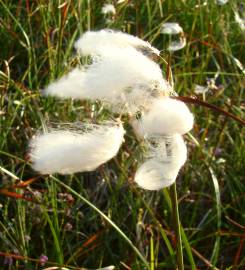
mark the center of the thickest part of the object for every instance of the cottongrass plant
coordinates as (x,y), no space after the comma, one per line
(167,116)
(65,152)
(165,156)
(120,74)
(172,28)
(108,9)
(113,76)
(240,21)
(123,77)
(163,125)
(95,42)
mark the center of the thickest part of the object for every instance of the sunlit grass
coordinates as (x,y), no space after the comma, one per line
(46,217)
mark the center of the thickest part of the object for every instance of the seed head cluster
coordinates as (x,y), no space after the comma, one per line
(124,78)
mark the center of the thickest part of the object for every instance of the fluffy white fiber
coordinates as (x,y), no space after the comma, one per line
(111,78)
(134,99)
(162,168)
(154,175)
(68,152)
(108,8)
(171,149)
(177,45)
(69,86)
(166,116)
(171,28)
(94,42)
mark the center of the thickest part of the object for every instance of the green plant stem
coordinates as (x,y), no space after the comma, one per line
(176,223)
(123,235)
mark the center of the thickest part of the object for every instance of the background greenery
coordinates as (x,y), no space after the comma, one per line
(42,217)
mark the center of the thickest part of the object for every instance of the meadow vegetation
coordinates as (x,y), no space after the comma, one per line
(70,221)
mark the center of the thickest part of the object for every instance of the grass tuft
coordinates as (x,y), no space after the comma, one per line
(91,220)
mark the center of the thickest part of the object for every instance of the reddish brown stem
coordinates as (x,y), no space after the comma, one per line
(210,106)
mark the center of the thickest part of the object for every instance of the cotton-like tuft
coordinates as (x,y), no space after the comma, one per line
(222,2)
(154,175)
(94,42)
(240,21)
(168,149)
(108,9)
(113,78)
(201,90)
(68,152)
(165,160)
(171,28)
(177,45)
(68,86)
(166,116)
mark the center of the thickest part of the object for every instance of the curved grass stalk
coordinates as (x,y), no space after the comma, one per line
(212,107)
(216,249)
(123,235)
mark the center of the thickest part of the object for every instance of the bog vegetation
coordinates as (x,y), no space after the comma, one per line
(102,218)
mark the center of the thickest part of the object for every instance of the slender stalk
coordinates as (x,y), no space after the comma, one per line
(123,235)
(210,106)
(176,223)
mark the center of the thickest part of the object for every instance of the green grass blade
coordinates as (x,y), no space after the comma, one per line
(123,235)
(216,248)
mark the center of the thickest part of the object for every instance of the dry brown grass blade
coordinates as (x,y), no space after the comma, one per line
(80,251)
(206,261)
(24,184)
(15,195)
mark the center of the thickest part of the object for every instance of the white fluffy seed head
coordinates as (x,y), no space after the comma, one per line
(68,152)
(171,28)
(240,21)
(121,76)
(68,86)
(171,149)
(94,42)
(166,116)
(165,160)
(177,45)
(108,9)
(154,175)
(222,2)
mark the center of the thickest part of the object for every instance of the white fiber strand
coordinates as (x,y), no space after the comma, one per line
(68,152)
(166,116)
(94,42)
